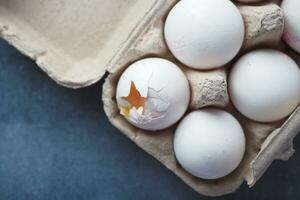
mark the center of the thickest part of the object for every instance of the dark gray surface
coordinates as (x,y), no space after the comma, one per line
(56,143)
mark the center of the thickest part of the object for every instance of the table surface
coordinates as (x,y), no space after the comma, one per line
(56,143)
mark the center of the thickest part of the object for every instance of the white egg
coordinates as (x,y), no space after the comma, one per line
(209,143)
(204,34)
(264,85)
(153,94)
(291,36)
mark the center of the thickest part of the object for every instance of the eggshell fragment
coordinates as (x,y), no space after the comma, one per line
(264,85)
(291,10)
(209,143)
(153,94)
(204,34)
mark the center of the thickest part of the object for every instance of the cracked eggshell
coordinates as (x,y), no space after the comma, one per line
(264,85)
(204,34)
(209,143)
(292,28)
(153,94)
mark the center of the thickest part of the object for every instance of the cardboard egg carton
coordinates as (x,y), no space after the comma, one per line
(77,42)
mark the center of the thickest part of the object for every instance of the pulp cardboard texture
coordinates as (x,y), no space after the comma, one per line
(70,40)
(76,42)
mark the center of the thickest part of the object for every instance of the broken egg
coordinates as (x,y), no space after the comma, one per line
(209,143)
(153,94)
(264,85)
(204,34)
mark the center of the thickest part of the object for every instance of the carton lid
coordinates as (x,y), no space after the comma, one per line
(71,40)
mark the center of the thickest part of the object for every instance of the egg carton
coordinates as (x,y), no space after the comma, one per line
(77,42)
